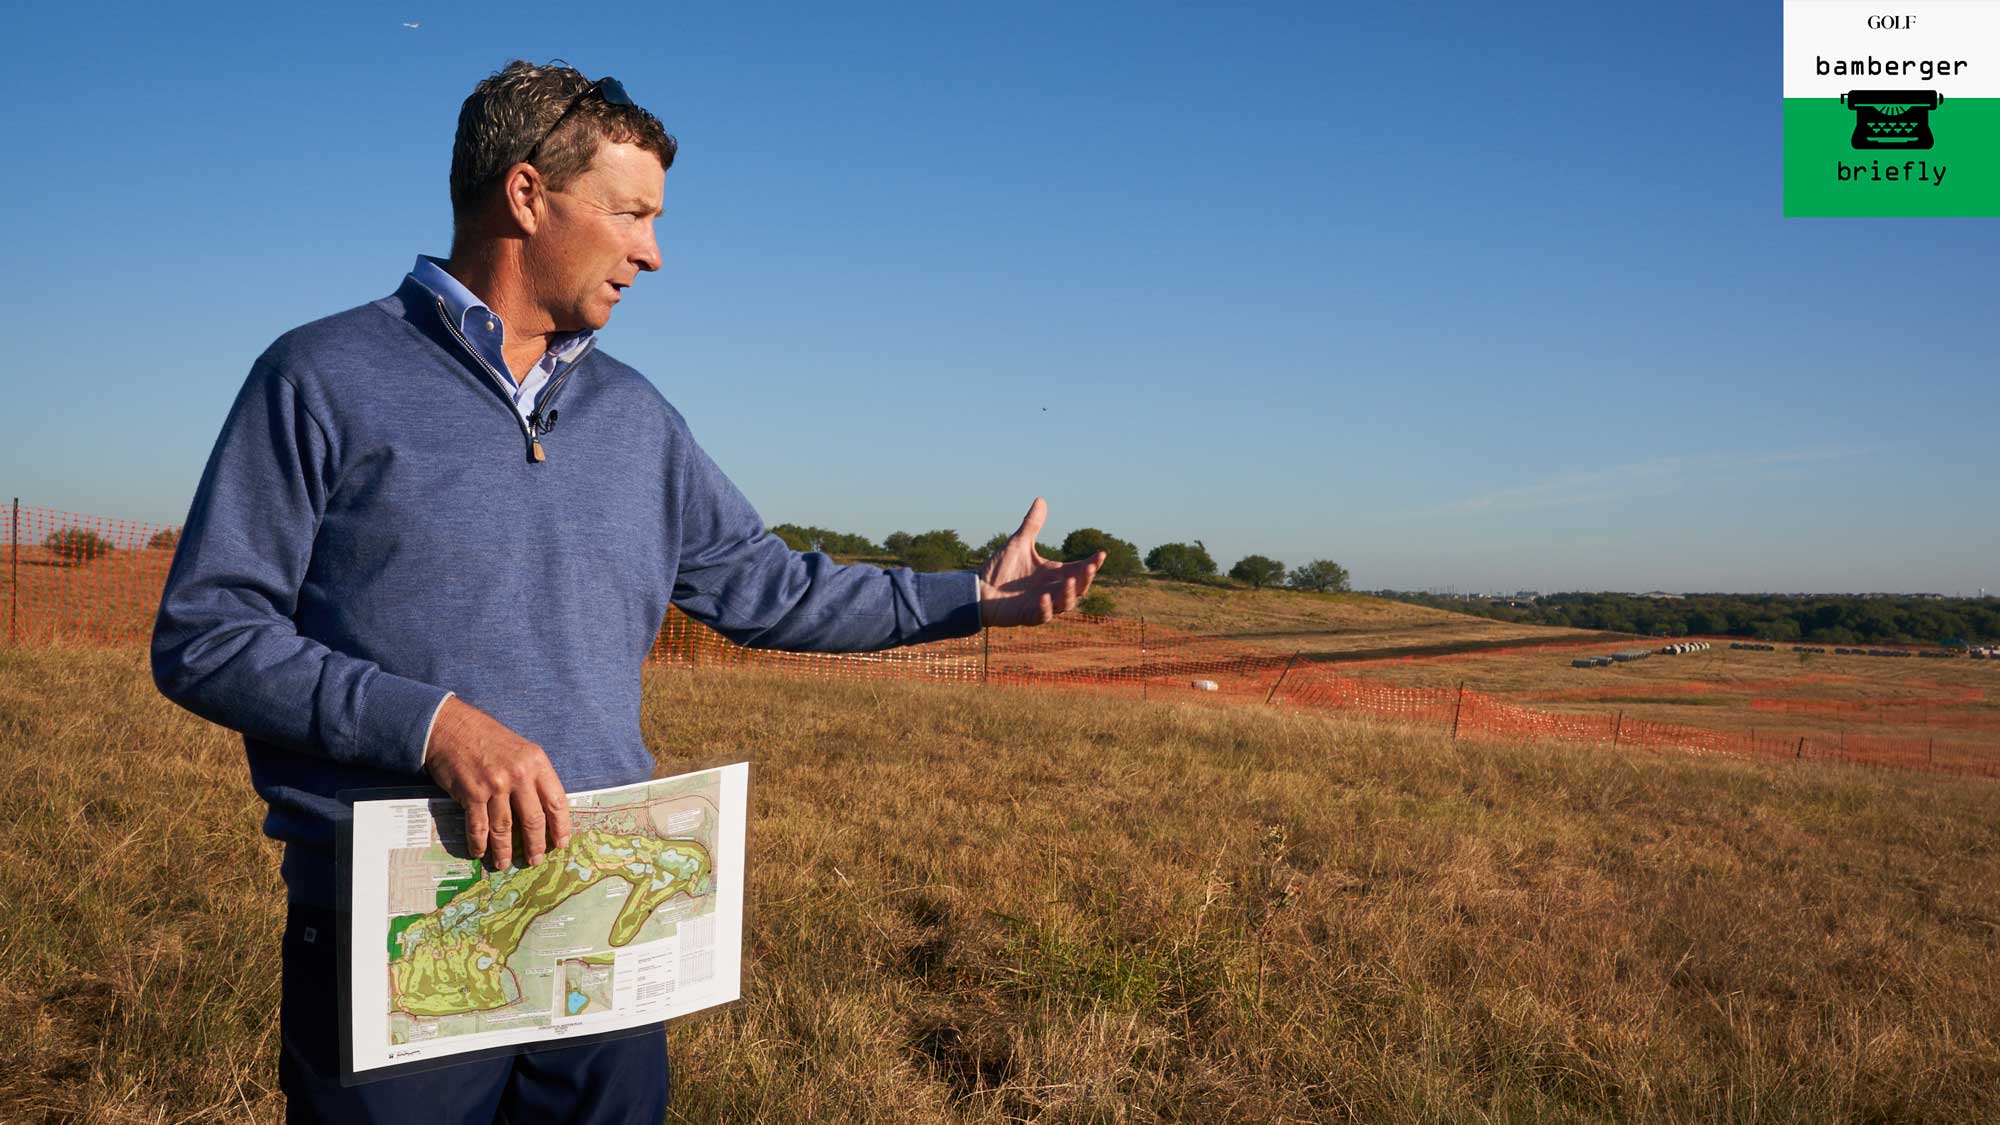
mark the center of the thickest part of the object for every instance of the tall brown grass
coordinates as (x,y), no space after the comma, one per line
(990,905)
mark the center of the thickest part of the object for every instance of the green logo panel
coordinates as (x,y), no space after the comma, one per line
(1887,152)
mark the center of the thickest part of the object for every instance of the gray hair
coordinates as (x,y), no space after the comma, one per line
(511,108)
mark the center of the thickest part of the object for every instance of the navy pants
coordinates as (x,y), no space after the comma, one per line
(617,1082)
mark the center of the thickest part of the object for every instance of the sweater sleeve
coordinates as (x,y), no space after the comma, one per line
(744,582)
(224,644)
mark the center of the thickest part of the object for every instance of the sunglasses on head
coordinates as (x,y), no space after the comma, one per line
(609,89)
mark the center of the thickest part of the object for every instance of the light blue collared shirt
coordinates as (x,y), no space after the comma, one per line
(485,331)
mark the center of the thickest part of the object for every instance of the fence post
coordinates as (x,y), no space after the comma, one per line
(1457,709)
(1617,730)
(1930,752)
(1801,751)
(985,655)
(1142,656)
(1281,678)
(14,578)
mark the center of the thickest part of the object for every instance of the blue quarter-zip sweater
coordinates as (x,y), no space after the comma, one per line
(371,532)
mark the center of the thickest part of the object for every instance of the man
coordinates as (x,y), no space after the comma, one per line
(397,565)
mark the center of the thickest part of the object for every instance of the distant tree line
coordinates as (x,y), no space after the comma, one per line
(75,546)
(820,539)
(1835,619)
(942,549)
(936,550)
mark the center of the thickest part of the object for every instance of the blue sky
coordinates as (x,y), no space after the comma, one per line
(1481,295)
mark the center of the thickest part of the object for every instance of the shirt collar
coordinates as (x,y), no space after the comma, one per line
(466,309)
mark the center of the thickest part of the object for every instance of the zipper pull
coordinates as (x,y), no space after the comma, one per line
(536,450)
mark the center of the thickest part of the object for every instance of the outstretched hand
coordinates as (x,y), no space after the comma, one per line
(1019,587)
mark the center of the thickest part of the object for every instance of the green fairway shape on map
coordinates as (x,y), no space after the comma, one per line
(454,959)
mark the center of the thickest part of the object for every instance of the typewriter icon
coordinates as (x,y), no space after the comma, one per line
(1892,118)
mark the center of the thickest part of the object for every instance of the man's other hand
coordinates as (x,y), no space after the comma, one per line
(501,780)
(1019,587)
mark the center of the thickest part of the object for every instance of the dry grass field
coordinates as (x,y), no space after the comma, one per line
(988,905)
(1776,695)
(1957,700)
(1290,621)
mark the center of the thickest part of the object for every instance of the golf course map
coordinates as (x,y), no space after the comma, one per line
(454,960)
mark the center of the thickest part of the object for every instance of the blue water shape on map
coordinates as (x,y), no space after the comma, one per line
(576,1002)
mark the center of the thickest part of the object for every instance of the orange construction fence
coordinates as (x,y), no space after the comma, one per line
(81,578)
(85,579)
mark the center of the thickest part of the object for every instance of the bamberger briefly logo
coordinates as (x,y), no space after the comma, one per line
(1863,84)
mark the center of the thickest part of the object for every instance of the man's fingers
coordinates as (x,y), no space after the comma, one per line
(475,829)
(529,819)
(1077,577)
(502,782)
(499,832)
(1050,590)
(556,805)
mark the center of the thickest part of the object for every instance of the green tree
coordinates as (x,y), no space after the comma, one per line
(1257,572)
(824,539)
(1187,562)
(165,540)
(1783,629)
(1121,559)
(936,550)
(794,536)
(77,545)
(1097,603)
(897,543)
(1320,576)
(848,543)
